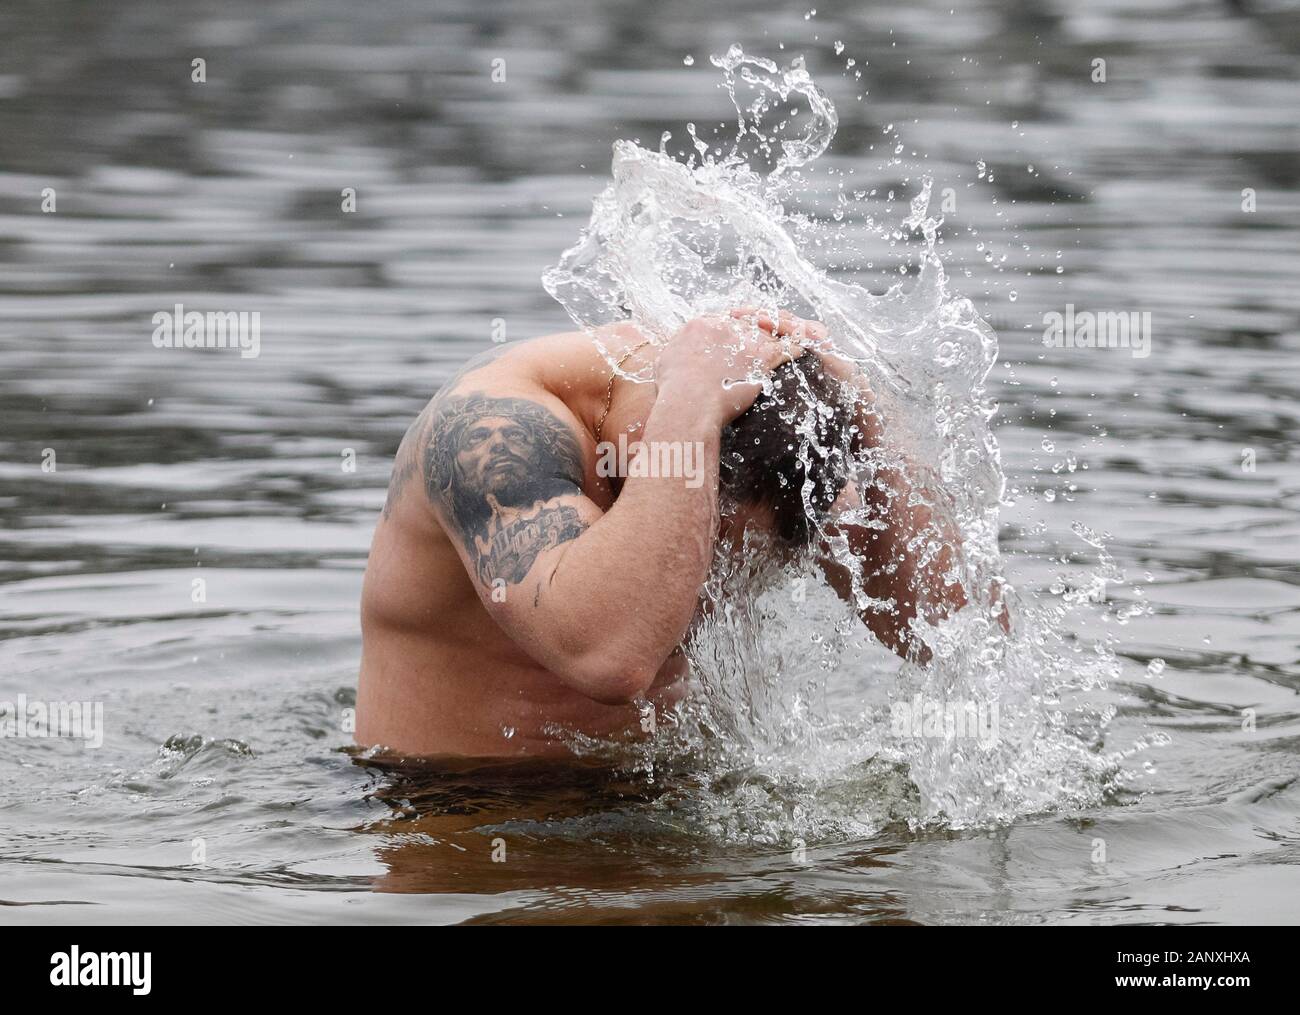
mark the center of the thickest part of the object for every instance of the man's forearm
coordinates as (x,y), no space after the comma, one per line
(907,548)
(639,568)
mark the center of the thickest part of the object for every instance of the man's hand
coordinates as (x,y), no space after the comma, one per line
(811,335)
(788,326)
(709,360)
(815,337)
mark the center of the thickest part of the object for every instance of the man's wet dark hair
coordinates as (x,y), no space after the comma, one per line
(761,463)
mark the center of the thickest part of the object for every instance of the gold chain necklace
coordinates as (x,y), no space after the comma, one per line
(609,391)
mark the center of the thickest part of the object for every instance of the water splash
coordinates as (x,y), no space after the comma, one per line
(808,743)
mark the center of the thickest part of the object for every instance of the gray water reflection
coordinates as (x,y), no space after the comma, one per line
(176,464)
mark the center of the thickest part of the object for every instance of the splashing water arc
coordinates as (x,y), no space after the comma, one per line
(669,240)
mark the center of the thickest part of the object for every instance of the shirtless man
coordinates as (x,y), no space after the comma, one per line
(513,591)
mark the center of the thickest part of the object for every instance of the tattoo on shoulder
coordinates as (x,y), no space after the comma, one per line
(406,464)
(494,465)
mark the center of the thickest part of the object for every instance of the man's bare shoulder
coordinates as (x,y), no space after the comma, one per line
(557,379)
(563,364)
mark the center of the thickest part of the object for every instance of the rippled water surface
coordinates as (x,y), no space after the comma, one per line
(223,790)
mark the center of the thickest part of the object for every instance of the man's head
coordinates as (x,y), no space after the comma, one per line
(764,465)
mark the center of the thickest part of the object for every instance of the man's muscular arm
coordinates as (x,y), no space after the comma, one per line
(600,600)
(500,470)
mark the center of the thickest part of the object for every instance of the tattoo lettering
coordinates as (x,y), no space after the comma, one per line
(492,465)
(511,548)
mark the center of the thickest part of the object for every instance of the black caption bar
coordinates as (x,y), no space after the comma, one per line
(363,964)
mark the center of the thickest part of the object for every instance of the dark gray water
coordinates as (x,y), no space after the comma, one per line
(221,792)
